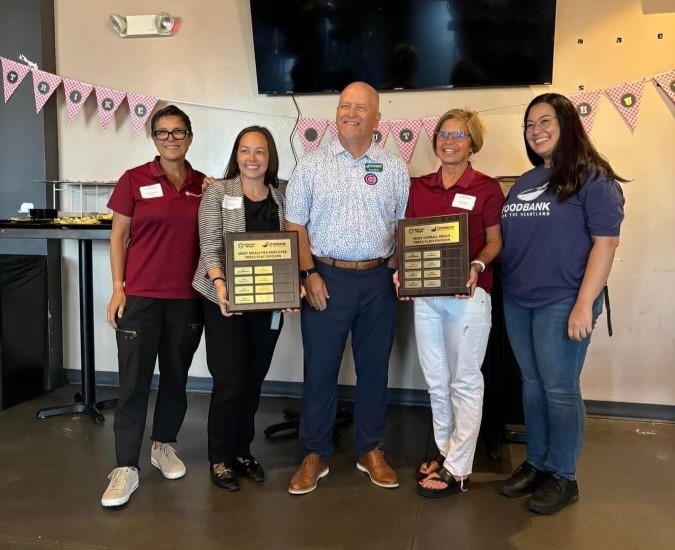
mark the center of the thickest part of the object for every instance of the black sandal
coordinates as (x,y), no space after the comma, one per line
(440,459)
(453,486)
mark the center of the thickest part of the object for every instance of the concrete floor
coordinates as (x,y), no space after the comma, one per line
(53,472)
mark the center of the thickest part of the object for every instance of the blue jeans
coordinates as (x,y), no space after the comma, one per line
(550,366)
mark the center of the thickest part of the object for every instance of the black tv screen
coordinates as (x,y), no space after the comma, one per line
(313,46)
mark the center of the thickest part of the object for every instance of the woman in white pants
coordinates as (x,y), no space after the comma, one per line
(452,331)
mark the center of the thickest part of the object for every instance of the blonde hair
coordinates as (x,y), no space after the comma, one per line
(473,123)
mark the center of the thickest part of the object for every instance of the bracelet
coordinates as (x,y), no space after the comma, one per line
(481,264)
(213,281)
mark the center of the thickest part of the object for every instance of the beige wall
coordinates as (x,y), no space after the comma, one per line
(210,62)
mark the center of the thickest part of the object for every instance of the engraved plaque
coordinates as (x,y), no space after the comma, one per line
(434,255)
(262,270)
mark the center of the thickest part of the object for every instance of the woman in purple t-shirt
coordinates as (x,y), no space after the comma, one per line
(560,226)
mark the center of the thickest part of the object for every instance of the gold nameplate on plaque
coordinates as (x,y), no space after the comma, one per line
(434,255)
(262,270)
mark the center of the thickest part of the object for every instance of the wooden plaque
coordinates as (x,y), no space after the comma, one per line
(433,255)
(262,270)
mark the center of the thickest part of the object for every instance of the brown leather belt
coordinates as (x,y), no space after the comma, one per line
(359,266)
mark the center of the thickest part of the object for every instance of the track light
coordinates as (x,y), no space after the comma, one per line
(137,26)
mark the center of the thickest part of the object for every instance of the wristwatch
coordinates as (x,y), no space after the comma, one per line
(305,273)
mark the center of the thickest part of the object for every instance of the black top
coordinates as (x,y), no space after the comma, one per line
(261,215)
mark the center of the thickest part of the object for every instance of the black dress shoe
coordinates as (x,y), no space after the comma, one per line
(525,480)
(554,495)
(225,477)
(248,467)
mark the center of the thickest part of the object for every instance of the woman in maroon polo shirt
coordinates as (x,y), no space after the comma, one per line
(452,331)
(154,249)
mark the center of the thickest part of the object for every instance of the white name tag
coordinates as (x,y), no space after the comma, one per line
(232,203)
(464,201)
(152,191)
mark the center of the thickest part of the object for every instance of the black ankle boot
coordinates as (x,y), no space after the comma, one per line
(554,495)
(525,480)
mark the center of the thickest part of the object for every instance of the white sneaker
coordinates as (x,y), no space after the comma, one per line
(123,482)
(165,458)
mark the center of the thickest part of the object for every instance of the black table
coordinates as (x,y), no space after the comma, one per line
(85,402)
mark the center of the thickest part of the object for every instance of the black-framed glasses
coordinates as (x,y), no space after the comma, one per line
(163,135)
(457,135)
(543,123)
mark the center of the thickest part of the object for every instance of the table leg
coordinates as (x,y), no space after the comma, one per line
(87,402)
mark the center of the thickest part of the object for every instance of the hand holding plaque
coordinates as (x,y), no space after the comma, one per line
(433,256)
(262,271)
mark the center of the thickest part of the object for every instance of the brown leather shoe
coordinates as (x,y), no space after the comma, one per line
(312,469)
(374,464)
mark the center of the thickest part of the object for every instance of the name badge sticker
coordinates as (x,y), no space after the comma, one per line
(152,191)
(374,167)
(232,203)
(466,202)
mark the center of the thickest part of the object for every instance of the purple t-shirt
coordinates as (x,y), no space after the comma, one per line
(547,242)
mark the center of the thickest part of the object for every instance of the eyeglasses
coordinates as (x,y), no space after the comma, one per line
(543,123)
(457,135)
(163,135)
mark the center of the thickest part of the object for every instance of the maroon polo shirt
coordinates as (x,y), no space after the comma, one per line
(428,197)
(164,242)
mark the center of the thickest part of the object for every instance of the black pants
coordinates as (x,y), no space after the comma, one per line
(152,328)
(239,352)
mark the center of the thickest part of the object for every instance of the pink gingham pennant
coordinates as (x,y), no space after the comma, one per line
(108,101)
(44,85)
(381,132)
(332,128)
(13,74)
(76,94)
(405,133)
(667,83)
(311,131)
(626,98)
(586,104)
(429,124)
(140,107)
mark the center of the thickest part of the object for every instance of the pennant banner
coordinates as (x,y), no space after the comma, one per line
(76,94)
(311,132)
(406,133)
(332,126)
(626,98)
(381,132)
(108,101)
(44,85)
(13,74)
(430,125)
(587,106)
(140,107)
(667,82)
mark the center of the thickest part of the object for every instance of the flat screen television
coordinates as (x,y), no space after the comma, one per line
(315,46)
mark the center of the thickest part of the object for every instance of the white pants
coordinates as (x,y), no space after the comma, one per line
(452,336)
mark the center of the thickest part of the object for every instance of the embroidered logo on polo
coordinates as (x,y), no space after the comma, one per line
(370,179)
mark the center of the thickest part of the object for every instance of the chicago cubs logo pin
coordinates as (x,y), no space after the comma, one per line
(370,179)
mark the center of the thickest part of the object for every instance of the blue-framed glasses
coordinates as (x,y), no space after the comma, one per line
(457,135)
(163,135)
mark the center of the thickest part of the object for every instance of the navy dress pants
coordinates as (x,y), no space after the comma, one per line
(363,302)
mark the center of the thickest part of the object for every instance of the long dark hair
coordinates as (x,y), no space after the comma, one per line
(574,158)
(232,170)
